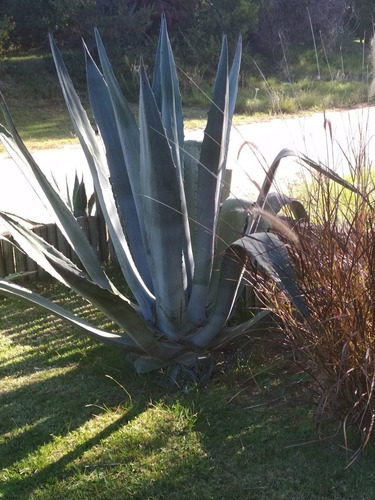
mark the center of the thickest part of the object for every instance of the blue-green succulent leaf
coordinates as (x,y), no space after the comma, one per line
(329,173)
(210,173)
(233,81)
(192,151)
(12,290)
(104,115)
(167,95)
(228,334)
(267,252)
(79,198)
(163,207)
(63,217)
(233,221)
(168,98)
(128,129)
(115,306)
(99,172)
(277,201)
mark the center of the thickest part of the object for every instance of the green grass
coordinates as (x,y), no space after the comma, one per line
(30,86)
(77,423)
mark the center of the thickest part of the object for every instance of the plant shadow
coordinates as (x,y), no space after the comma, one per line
(243,434)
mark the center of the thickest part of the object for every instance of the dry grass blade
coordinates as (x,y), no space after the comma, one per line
(335,262)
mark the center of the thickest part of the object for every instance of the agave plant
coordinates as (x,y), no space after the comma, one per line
(181,252)
(76,196)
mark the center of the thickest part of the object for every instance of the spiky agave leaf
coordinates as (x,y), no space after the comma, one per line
(62,215)
(233,221)
(13,290)
(117,307)
(104,114)
(163,200)
(166,90)
(275,202)
(268,252)
(167,95)
(99,172)
(212,165)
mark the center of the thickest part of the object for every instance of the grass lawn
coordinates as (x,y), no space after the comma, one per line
(30,86)
(77,423)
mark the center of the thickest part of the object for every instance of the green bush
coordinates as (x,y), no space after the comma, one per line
(6,28)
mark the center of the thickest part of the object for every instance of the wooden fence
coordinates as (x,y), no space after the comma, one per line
(13,260)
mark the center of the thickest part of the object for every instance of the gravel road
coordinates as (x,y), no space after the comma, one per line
(310,134)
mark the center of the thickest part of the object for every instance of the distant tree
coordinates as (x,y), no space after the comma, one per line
(6,28)
(33,19)
(361,18)
(179,13)
(213,18)
(291,20)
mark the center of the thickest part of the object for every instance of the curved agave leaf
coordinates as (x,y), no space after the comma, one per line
(163,205)
(127,127)
(26,241)
(98,169)
(116,307)
(120,310)
(13,290)
(329,173)
(278,201)
(266,186)
(167,95)
(233,221)
(271,255)
(212,164)
(104,115)
(270,175)
(308,162)
(228,334)
(128,133)
(65,220)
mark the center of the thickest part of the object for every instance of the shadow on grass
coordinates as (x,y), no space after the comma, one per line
(39,341)
(241,446)
(48,377)
(22,488)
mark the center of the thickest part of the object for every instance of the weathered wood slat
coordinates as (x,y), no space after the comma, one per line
(42,231)
(31,266)
(8,255)
(52,234)
(62,244)
(12,260)
(2,263)
(20,261)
